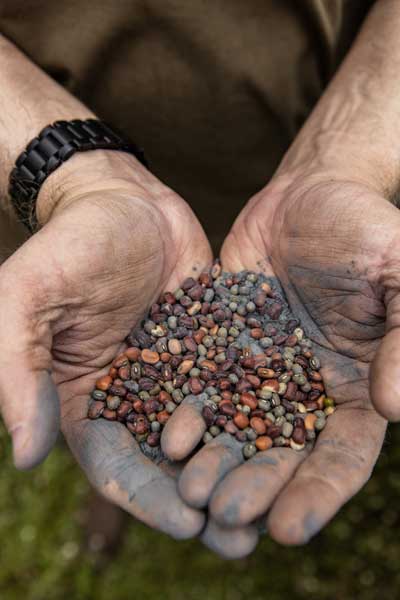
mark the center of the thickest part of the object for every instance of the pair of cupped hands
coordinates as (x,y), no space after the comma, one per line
(113,238)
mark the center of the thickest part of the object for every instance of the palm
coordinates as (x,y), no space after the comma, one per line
(91,274)
(326,245)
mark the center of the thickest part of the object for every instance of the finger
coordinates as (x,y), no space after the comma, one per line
(207,467)
(247,492)
(184,429)
(28,397)
(116,466)
(336,469)
(230,543)
(385,376)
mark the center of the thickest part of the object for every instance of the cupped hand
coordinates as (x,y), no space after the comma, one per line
(335,248)
(69,296)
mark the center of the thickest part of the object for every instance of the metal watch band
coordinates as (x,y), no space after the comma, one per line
(54,145)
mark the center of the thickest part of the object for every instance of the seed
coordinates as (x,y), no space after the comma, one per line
(104,383)
(287,429)
(241,420)
(153,439)
(185,367)
(132,354)
(249,400)
(296,446)
(113,402)
(214,430)
(309,421)
(207,437)
(96,409)
(110,415)
(249,450)
(320,423)
(258,425)
(150,357)
(263,443)
(174,346)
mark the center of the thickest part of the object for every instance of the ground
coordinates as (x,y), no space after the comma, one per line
(43,554)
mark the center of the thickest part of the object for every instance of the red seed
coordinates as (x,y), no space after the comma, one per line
(241,420)
(104,383)
(148,356)
(258,425)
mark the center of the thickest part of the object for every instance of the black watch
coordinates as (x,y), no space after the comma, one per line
(53,146)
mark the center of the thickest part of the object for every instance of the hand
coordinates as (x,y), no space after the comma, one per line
(334,246)
(115,239)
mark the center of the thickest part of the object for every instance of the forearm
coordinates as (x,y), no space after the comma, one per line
(29,100)
(354,130)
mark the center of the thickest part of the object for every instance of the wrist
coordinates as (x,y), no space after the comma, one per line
(88,172)
(329,154)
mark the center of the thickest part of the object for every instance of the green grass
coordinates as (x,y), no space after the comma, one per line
(42,555)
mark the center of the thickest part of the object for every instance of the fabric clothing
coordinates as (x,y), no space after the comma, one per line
(213,90)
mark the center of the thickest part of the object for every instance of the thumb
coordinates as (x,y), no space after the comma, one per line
(28,396)
(384,374)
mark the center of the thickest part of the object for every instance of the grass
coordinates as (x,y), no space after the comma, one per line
(43,555)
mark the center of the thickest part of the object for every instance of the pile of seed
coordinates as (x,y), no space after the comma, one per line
(232,339)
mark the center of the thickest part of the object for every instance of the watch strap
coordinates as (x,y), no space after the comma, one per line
(54,145)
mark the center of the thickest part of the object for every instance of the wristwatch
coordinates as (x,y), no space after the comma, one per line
(54,145)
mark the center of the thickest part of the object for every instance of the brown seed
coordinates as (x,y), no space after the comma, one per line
(260,298)
(190,343)
(254,380)
(113,372)
(230,427)
(153,439)
(315,376)
(174,346)
(138,406)
(120,361)
(96,409)
(148,356)
(164,397)
(298,435)
(198,335)
(266,373)
(124,409)
(195,385)
(194,309)
(227,408)
(169,298)
(208,415)
(291,390)
(162,417)
(309,421)
(266,288)
(221,420)
(241,436)
(258,425)
(142,425)
(104,383)
(110,415)
(165,357)
(274,431)
(124,372)
(241,420)
(132,353)
(291,341)
(263,443)
(205,279)
(210,365)
(243,386)
(185,367)
(256,333)
(272,385)
(274,311)
(249,400)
